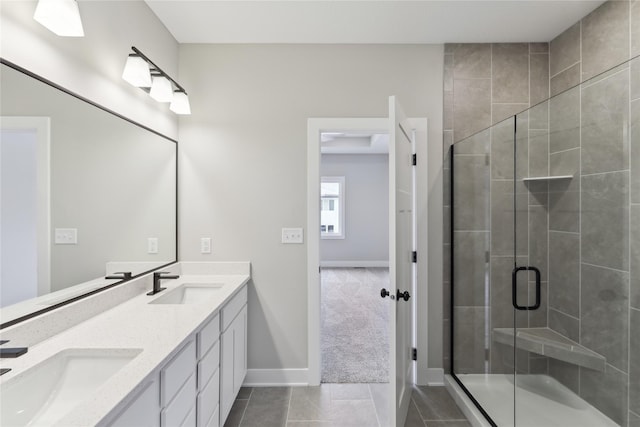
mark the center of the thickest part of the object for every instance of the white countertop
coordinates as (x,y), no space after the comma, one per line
(156,329)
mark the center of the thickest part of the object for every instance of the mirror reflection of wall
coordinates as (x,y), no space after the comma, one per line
(83,192)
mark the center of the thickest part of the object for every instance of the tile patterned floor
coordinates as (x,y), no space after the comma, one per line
(337,405)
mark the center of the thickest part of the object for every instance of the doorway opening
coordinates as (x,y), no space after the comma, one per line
(354,256)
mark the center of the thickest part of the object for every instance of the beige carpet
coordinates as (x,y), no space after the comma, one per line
(354,334)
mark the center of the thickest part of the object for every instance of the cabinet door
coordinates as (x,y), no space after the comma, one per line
(144,411)
(233,361)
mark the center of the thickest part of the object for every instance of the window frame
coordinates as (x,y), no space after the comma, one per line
(340,180)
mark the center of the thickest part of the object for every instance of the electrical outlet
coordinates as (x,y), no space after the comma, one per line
(292,235)
(152,245)
(66,236)
(205,245)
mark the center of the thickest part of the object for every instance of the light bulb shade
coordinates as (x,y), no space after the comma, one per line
(136,72)
(161,89)
(62,17)
(180,103)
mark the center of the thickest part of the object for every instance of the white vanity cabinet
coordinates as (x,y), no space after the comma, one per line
(198,386)
(233,350)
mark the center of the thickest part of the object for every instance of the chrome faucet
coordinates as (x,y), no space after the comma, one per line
(157,277)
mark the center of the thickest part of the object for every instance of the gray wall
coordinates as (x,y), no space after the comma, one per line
(366,208)
(243,162)
(92,65)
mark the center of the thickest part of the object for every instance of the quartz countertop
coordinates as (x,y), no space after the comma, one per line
(158,330)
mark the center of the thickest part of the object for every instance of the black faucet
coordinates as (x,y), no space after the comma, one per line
(126,275)
(11,352)
(157,277)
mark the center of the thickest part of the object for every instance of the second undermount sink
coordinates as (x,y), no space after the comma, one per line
(189,293)
(43,394)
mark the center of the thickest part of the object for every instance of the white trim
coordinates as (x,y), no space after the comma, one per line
(339,264)
(434,376)
(314,127)
(276,377)
(464,403)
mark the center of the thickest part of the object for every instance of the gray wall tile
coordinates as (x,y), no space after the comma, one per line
(605,38)
(502,311)
(564,211)
(605,114)
(448,110)
(565,163)
(502,153)
(564,123)
(564,324)
(510,73)
(566,373)
(635,29)
(502,219)
(448,72)
(475,144)
(471,267)
(538,78)
(472,106)
(635,78)
(604,299)
(635,152)
(538,239)
(472,61)
(605,216)
(564,272)
(634,366)
(537,318)
(565,80)
(499,112)
(564,50)
(538,47)
(471,192)
(634,419)
(469,339)
(607,391)
(539,116)
(634,237)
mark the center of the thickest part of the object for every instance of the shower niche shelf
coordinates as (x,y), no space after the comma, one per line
(547,178)
(547,342)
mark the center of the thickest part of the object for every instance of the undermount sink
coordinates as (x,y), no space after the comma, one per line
(189,293)
(43,394)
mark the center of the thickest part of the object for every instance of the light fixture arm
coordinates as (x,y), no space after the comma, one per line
(155,69)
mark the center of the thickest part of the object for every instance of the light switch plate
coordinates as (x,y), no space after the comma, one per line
(66,236)
(152,245)
(205,245)
(292,235)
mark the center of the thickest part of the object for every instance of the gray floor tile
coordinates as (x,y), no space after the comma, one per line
(265,415)
(448,424)
(435,404)
(350,391)
(244,393)
(413,416)
(356,413)
(236,413)
(309,424)
(380,394)
(310,404)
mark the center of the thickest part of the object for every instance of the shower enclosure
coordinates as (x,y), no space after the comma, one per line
(545,295)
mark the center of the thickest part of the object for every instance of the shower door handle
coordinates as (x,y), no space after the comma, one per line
(514,288)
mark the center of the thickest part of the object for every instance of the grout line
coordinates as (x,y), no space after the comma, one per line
(580,208)
(576,233)
(629,144)
(561,151)
(565,69)
(600,173)
(606,268)
(244,411)
(289,405)
(375,407)
(562,312)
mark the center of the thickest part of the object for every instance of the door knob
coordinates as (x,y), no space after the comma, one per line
(404,295)
(384,292)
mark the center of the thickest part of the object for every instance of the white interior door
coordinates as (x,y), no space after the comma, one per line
(400,260)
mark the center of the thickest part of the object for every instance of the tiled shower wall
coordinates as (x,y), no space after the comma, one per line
(594,221)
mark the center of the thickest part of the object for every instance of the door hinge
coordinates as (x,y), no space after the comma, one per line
(414,354)
(414,256)
(414,160)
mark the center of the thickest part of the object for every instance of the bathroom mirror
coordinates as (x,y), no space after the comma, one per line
(85,193)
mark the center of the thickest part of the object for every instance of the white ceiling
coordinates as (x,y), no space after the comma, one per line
(363,21)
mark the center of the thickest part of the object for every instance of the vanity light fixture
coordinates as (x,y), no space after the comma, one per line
(61,17)
(142,72)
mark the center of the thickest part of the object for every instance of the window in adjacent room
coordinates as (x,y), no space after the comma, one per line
(332,207)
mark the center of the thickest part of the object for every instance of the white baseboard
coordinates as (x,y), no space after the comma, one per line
(354,263)
(276,377)
(435,376)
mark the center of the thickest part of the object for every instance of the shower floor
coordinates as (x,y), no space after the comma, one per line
(540,401)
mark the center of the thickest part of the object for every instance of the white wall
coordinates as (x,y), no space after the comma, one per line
(92,65)
(366,209)
(243,162)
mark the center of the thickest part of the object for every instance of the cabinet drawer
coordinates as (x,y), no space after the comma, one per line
(208,336)
(208,400)
(190,421)
(174,415)
(143,411)
(233,307)
(208,365)
(175,373)
(214,421)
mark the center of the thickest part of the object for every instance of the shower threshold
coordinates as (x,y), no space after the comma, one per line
(541,401)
